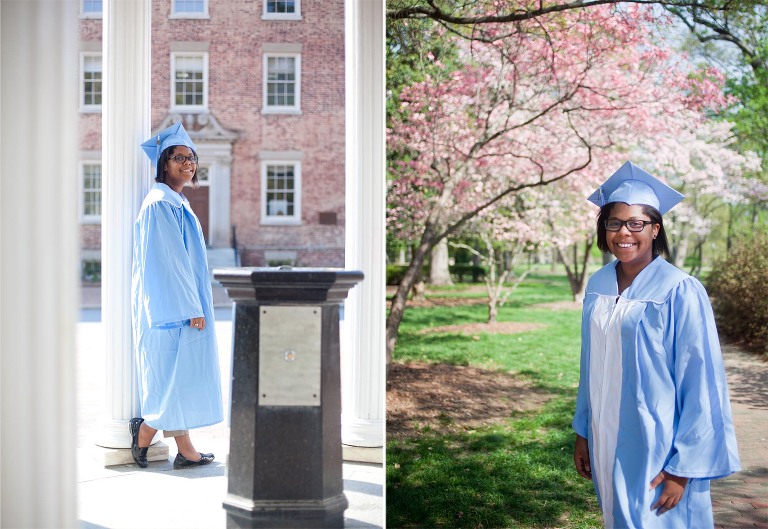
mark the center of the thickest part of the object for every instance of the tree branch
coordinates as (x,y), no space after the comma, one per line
(431,10)
(720,32)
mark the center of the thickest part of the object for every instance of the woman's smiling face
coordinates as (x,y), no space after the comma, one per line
(627,246)
(180,174)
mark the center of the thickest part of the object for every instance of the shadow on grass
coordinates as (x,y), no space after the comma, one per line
(445,398)
(516,475)
(547,357)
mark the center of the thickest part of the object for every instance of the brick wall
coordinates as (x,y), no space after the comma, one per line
(90,236)
(235,34)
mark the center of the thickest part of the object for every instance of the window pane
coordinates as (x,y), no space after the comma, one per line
(280,193)
(92,189)
(190,86)
(281,81)
(92,6)
(91,80)
(281,6)
(189,6)
(202,174)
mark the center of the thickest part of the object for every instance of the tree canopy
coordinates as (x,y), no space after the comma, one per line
(490,101)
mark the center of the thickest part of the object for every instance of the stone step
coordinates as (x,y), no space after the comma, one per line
(220,258)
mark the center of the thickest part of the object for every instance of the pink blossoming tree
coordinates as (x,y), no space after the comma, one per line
(528,110)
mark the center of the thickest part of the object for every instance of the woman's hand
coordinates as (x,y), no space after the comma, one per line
(674,486)
(197,323)
(581,457)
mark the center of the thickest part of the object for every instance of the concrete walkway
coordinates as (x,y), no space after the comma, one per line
(741,501)
(126,496)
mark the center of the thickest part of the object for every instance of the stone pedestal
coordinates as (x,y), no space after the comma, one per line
(285,456)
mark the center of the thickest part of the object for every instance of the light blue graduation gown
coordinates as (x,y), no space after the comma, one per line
(178,366)
(653,396)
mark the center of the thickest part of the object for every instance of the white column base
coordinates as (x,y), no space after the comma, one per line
(358,454)
(114,434)
(367,433)
(109,457)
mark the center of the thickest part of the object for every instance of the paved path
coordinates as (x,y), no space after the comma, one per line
(741,501)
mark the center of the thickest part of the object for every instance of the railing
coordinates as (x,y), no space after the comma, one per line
(234,246)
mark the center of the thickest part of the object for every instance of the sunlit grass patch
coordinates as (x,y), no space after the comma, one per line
(516,472)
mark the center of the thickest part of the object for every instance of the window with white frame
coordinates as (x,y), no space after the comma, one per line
(282,10)
(90,82)
(190,9)
(202,176)
(91,8)
(90,176)
(189,89)
(282,83)
(280,192)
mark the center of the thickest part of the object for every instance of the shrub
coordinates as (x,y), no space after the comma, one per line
(466,270)
(738,285)
(395,273)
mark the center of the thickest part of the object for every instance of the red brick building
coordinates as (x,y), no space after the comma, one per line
(259,86)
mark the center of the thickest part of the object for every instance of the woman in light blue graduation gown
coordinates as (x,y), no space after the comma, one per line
(653,417)
(176,355)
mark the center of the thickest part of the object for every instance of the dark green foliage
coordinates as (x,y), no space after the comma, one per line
(467,272)
(91,271)
(395,273)
(738,286)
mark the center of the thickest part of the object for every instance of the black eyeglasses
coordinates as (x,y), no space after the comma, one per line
(181,159)
(632,225)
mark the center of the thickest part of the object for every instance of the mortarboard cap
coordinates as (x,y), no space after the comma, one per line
(173,135)
(632,185)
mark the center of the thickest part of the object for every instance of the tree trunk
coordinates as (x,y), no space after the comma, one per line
(577,270)
(419,291)
(578,286)
(490,279)
(493,309)
(729,237)
(679,255)
(439,274)
(429,238)
(399,300)
(696,262)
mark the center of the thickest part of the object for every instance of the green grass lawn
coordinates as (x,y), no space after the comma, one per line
(516,474)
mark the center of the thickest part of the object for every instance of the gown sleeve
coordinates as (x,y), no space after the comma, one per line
(705,441)
(169,295)
(580,423)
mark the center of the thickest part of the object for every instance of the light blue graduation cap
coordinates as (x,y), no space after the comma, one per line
(632,185)
(173,135)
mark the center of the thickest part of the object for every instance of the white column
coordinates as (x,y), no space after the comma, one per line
(38,263)
(126,122)
(363,353)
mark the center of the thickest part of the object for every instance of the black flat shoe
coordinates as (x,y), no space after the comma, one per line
(139,454)
(183,462)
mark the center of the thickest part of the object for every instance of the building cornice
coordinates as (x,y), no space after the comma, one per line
(203,127)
